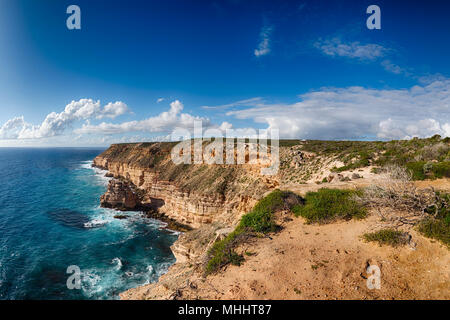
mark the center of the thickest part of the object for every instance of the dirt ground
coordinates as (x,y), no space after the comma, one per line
(319,262)
(310,261)
(329,262)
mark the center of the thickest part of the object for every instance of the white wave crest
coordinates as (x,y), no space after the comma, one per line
(117,262)
(95,223)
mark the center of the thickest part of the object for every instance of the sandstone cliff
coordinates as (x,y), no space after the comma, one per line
(190,194)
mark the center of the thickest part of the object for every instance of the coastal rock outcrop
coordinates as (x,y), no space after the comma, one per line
(119,195)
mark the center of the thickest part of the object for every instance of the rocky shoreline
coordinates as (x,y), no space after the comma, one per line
(124,196)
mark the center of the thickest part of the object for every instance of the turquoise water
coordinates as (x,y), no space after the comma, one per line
(50,219)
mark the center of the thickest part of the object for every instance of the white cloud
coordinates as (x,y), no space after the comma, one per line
(167,122)
(164,122)
(56,123)
(357,112)
(264,44)
(336,47)
(160,100)
(391,129)
(362,52)
(12,128)
(329,113)
(430,78)
(392,67)
(113,110)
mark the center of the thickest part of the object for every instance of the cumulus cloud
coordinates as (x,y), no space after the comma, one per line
(357,112)
(113,110)
(12,128)
(164,122)
(336,48)
(329,113)
(264,44)
(55,124)
(169,121)
(391,129)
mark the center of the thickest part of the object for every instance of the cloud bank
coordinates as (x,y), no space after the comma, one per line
(329,113)
(358,113)
(56,123)
(164,122)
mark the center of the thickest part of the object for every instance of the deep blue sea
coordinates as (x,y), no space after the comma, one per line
(50,219)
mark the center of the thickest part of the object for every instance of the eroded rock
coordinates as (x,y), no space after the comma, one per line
(119,195)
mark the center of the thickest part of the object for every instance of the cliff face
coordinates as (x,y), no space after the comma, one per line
(190,194)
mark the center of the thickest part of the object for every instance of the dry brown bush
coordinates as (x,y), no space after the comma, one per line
(396,199)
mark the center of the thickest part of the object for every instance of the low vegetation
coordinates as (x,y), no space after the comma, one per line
(438,229)
(437,225)
(422,170)
(259,221)
(327,205)
(424,158)
(387,237)
(396,199)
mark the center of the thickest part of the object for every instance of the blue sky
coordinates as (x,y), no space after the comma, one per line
(138,69)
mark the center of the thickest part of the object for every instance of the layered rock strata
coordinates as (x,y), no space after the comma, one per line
(193,195)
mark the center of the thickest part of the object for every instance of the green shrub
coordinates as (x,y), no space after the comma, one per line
(422,170)
(326,205)
(438,229)
(438,225)
(441,169)
(260,219)
(222,252)
(387,237)
(376,170)
(416,169)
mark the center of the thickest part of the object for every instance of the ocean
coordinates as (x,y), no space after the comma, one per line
(50,219)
